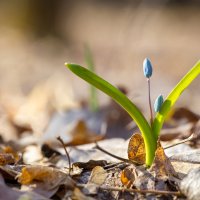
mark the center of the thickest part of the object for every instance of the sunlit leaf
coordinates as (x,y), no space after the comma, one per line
(136,149)
(49,176)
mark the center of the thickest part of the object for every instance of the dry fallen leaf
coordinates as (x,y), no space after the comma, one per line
(128,176)
(136,149)
(98,175)
(162,165)
(8,193)
(137,177)
(6,158)
(82,135)
(97,178)
(9,149)
(90,164)
(44,180)
(51,177)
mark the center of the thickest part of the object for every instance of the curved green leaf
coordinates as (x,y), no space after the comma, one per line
(173,97)
(122,100)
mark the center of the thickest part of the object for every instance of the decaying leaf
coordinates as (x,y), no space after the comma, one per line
(97,178)
(6,158)
(90,164)
(76,132)
(98,175)
(128,176)
(82,135)
(137,177)
(49,176)
(8,193)
(136,149)
(10,172)
(10,150)
(162,165)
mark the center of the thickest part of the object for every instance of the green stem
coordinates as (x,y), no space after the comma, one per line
(121,99)
(150,107)
(173,97)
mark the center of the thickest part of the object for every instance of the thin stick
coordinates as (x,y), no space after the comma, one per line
(150,107)
(181,142)
(114,156)
(158,192)
(67,154)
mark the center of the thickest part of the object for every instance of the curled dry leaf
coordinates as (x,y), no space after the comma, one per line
(128,176)
(136,149)
(49,176)
(162,165)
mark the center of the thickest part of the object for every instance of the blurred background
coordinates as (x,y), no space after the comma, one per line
(38,37)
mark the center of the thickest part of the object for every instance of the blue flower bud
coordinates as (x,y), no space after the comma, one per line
(147,68)
(158,103)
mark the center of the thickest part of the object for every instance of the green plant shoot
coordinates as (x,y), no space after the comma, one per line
(93,100)
(173,97)
(150,134)
(122,100)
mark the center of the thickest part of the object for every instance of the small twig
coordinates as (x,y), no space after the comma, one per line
(158,192)
(181,142)
(114,156)
(114,166)
(67,154)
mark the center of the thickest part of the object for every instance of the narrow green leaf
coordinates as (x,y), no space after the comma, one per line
(121,99)
(173,97)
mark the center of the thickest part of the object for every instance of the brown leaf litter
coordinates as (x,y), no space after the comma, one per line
(42,169)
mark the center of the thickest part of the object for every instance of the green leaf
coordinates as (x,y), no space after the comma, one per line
(121,99)
(173,97)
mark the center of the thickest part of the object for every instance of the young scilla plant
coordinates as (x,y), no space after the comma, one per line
(150,131)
